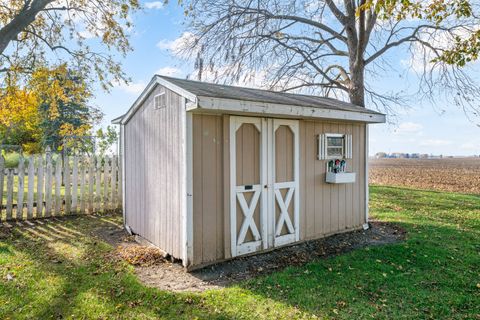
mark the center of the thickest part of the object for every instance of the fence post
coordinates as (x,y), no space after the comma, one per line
(106,172)
(113,184)
(98,186)
(66,182)
(31,185)
(91,180)
(9,193)
(83,193)
(48,183)
(2,176)
(40,181)
(21,188)
(58,186)
(74,184)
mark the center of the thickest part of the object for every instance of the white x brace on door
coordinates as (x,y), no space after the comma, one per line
(264,197)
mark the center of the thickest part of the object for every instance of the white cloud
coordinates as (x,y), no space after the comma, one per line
(408,128)
(169,71)
(177,46)
(154,5)
(248,77)
(435,143)
(86,34)
(134,88)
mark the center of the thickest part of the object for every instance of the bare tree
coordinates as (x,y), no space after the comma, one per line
(334,47)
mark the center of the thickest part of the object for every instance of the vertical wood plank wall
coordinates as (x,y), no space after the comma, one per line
(324,208)
(153,170)
(208,189)
(329,208)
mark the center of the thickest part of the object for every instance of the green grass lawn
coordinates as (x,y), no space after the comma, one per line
(433,274)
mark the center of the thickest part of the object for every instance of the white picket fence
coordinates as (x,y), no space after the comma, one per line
(47,186)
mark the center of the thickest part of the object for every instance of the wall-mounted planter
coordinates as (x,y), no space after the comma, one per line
(341,177)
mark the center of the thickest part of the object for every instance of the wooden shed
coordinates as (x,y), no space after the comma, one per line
(212,172)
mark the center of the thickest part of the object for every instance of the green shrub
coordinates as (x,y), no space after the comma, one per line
(11,159)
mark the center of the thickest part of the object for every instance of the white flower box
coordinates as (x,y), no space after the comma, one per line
(341,177)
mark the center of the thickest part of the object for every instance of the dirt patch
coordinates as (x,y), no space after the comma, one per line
(166,275)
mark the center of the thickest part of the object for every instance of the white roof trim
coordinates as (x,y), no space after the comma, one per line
(292,111)
(156,80)
(117,120)
(173,87)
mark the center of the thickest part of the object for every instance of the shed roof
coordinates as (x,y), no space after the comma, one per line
(232,99)
(213,90)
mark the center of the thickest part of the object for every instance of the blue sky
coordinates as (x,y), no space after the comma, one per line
(420,128)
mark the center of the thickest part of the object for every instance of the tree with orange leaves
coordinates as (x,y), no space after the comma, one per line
(53,105)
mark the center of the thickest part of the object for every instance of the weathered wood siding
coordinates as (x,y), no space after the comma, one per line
(329,208)
(154,164)
(324,208)
(208,189)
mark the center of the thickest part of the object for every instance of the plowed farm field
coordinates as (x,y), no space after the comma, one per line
(449,174)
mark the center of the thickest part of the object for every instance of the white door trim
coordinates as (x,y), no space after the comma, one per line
(267,192)
(248,247)
(292,186)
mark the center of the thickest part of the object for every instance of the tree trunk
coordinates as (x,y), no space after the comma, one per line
(356,91)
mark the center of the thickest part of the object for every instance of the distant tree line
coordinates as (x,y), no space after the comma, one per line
(402,155)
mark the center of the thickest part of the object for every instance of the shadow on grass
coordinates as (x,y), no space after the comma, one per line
(5,250)
(60,274)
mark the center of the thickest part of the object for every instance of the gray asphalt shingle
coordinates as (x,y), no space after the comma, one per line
(205,89)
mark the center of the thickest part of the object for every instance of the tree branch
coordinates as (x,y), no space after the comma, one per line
(20,22)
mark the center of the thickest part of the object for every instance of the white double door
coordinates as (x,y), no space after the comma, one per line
(264,183)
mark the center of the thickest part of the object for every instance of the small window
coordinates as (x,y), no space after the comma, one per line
(159,101)
(335,146)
